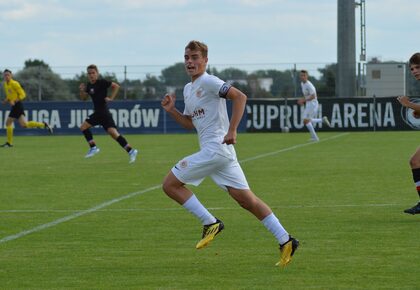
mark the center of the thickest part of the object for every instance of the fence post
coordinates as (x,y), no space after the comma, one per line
(374,113)
(125,82)
(39,84)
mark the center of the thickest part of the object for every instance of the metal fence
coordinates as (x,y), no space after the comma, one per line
(150,82)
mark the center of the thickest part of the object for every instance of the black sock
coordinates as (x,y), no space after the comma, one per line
(416,178)
(89,137)
(124,144)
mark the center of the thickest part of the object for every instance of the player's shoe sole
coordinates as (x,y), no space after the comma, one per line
(413,210)
(49,129)
(133,155)
(209,232)
(326,121)
(92,152)
(7,145)
(287,250)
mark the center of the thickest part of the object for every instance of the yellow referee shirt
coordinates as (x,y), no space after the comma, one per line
(14,91)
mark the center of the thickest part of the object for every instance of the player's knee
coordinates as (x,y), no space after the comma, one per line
(306,121)
(415,162)
(167,187)
(248,203)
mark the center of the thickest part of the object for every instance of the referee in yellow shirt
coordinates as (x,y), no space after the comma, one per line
(14,96)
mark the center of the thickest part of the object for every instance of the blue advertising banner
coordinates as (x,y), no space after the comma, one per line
(136,117)
(131,117)
(348,114)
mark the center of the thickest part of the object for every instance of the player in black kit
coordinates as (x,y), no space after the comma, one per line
(97,89)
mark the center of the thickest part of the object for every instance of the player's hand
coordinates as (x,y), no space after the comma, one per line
(108,99)
(168,102)
(404,100)
(301,101)
(230,138)
(82,87)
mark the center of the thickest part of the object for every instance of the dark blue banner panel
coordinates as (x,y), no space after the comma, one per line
(131,117)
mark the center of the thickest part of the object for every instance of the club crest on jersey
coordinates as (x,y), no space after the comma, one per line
(91,91)
(199,93)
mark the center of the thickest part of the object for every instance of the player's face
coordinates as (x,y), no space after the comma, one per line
(7,76)
(92,75)
(195,63)
(415,71)
(303,77)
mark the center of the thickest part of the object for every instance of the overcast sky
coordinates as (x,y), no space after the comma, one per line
(155,32)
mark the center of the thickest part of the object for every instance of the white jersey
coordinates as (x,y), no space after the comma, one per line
(308,89)
(208,112)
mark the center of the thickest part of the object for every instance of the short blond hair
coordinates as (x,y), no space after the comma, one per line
(198,46)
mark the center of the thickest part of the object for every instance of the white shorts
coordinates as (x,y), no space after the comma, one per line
(224,171)
(311,110)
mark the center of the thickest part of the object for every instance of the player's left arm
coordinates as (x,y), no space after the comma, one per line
(239,102)
(114,92)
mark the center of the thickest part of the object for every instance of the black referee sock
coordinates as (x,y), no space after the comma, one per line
(416,178)
(124,144)
(89,137)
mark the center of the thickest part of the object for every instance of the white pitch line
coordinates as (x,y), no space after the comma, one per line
(115,200)
(75,215)
(291,148)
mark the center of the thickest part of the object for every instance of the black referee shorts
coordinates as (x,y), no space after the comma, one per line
(17,110)
(101,118)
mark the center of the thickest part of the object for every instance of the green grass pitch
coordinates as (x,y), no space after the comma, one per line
(72,223)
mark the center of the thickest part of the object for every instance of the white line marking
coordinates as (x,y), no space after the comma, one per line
(130,195)
(76,215)
(291,148)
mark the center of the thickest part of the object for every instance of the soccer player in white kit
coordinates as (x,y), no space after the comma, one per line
(311,108)
(205,110)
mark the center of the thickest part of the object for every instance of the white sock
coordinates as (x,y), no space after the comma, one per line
(311,130)
(194,206)
(272,223)
(318,120)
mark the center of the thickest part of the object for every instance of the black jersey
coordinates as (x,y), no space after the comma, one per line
(98,92)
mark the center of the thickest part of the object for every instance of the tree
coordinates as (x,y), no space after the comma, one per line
(326,84)
(175,75)
(232,74)
(41,83)
(154,88)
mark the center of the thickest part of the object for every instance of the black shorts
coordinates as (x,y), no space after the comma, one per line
(102,118)
(17,110)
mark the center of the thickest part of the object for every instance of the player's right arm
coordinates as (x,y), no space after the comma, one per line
(405,101)
(168,104)
(82,92)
